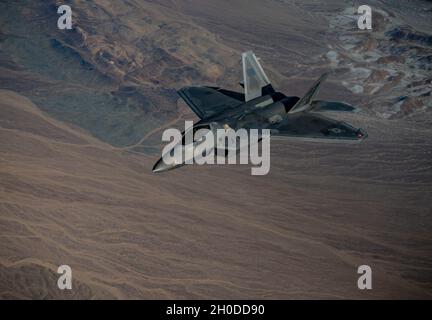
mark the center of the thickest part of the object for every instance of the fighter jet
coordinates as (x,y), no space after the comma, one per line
(261,107)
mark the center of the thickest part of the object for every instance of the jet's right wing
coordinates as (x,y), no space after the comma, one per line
(311,126)
(305,103)
(323,106)
(207,101)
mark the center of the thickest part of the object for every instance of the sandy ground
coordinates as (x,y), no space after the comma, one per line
(214,231)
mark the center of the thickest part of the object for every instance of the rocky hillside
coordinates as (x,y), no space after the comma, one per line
(391,65)
(115,73)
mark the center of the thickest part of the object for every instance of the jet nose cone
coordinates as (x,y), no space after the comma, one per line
(161,166)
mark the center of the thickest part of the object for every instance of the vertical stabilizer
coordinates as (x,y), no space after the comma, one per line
(305,103)
(256,82)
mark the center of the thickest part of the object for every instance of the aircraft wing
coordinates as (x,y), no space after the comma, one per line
(207,101)
(314,126)
(322,106)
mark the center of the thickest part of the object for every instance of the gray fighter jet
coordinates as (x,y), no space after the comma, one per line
(261,107)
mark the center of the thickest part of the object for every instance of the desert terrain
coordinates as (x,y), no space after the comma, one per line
(81,117)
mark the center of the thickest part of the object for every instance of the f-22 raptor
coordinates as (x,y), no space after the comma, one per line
(261,107)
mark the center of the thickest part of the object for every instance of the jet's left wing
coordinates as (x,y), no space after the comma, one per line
(207,101)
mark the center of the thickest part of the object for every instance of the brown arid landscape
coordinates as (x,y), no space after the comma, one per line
(81,117)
